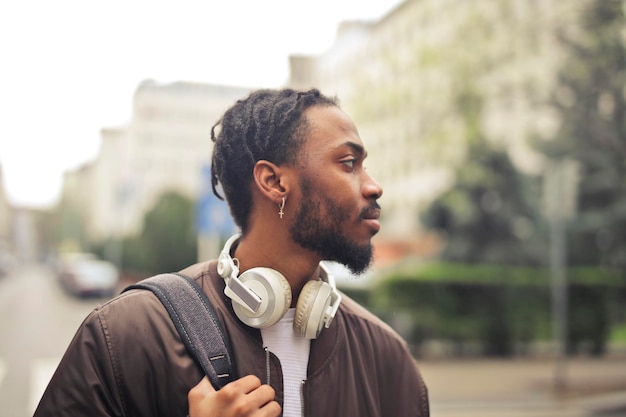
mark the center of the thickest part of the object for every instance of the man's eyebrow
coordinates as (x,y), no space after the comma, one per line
(357,148)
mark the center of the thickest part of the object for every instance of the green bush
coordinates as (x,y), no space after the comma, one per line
(502,309)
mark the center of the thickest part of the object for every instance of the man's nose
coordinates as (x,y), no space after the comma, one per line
(371,187)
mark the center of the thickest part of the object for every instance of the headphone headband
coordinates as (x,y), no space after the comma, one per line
(228,268)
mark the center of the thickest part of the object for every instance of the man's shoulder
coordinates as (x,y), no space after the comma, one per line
(356,313)
(201,270)
(132,306)
(206,276)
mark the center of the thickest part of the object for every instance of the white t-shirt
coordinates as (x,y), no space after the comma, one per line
(293,352)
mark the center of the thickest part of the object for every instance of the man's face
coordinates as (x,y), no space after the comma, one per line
(337,213)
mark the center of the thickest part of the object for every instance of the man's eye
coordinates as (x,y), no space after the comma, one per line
(350,163)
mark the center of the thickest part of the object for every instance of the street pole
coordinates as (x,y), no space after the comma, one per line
(560,193)
(559,299)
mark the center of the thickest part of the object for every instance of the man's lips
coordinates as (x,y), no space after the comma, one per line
(370,216)
(373,224)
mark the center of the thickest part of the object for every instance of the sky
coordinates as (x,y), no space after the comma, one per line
(70,67)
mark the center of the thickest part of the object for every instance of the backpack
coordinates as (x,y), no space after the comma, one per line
(196,322)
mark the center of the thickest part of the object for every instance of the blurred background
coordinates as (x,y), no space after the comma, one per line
(496,127)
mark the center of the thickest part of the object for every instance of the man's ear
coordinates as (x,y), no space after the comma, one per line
(271,180)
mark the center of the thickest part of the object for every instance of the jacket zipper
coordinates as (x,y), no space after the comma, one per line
(302,398)
(267,364)
(267,373)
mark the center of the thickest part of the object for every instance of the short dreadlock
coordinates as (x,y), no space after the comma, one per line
(267,125)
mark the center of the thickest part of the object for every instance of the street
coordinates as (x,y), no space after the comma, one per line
(38,320)
(525,388)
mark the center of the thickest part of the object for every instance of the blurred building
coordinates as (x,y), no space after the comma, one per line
(18,240)
(111,180)
(401,78)
(5,216)
(165,147)
(25,239)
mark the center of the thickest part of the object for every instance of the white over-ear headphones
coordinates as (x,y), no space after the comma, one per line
(262,296)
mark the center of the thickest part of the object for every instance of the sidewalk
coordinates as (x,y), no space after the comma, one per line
(526,387)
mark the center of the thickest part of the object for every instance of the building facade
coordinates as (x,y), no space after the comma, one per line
(165,147)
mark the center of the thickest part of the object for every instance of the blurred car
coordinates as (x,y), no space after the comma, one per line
(84,275)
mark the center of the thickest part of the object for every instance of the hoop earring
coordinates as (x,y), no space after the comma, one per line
(281,207)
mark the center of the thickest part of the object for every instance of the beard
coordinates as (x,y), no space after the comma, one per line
(318,228)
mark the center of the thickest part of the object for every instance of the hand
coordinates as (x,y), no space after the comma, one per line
(243,397)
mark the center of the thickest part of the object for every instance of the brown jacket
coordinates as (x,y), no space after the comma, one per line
(127,360)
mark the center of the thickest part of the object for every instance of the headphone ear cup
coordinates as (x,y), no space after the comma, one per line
(275,293)
(225,266)
(314,299)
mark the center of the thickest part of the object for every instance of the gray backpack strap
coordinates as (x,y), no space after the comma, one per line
(196,322)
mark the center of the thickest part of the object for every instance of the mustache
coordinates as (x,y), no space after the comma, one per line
(370,211)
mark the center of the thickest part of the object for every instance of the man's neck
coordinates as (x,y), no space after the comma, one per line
(271,250)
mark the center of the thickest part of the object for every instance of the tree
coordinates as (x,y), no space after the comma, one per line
(487,216)
(64,227)
(168,241)
(591,104)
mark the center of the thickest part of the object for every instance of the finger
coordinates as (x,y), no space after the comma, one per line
(271,409)
(246,393)
(261,396)
(245,384)
(202,389)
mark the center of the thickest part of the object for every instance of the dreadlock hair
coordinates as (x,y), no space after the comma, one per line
(267,125)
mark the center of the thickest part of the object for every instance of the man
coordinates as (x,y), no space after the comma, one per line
(291,165)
